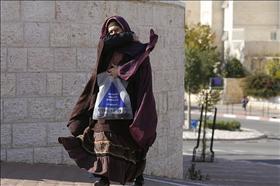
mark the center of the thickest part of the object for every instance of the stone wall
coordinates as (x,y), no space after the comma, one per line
(48,49)
(233,92)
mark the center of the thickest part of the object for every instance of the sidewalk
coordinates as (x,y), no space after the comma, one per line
(245,134)
(220,172)
(236,111)
(22,174)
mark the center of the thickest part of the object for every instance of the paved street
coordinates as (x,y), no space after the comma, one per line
(254,162)
(262,149)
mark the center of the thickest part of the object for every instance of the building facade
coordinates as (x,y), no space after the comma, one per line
(244,29)
(48,49)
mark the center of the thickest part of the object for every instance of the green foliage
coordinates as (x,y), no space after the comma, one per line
(214,96)
(199,37)
(272,67)
(261,86)
(232,125)
(201,56)
(233,69)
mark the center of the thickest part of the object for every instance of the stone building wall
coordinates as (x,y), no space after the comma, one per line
(48,49)
(233,91)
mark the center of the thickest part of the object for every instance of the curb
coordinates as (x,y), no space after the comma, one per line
(257,135)
(240,116)
(231,139)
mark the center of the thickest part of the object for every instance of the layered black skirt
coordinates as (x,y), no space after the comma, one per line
(107,149)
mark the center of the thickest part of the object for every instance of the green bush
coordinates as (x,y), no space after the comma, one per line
(261,86)
(234,69)
(231,125)
(272,67)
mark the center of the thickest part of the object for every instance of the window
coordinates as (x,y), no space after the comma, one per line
(273,36)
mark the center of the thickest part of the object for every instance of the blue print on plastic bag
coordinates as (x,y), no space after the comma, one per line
(112,98)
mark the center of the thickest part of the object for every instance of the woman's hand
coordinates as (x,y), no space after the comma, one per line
(113,71)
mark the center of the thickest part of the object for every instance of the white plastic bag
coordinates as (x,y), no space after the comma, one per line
(112,100)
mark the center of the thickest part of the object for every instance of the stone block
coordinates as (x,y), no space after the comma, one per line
(174,38)
(164,81)
(48,155)
(175,166)
(153,151)
(36,34)
(3,154)
(1,111)
(38,10)
(10,11)
(40,59)
(162,37)
(112,8)
(60,34)
(54,84)
(92,12)
(180,78)
(145,14)
(81,35)
(158,13)
(31,84)
(73,83)
(11,34)
(162,145)
(17,59)
(41,108)
(176,120)
(96,34)
(168,60)
(30,135)
(175,100)
(65,59)
(8,84)
(14,109)
(66,159)
(67,11)
(170,80)
(143,33)
(64,107)
(6,135)
(179,58)
(233,91)
(86,58)
(155,61)
(56,130)
(20,155)
(129,11)
(4,54)
(157,81)
(161,102)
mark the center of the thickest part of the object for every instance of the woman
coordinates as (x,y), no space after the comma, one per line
(115,150)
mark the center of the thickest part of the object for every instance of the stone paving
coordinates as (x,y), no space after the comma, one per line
(220,172)
(22,174)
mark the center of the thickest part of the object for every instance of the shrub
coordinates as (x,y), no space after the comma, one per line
(213,98)
(261,86)
(233,69)
(232,125)
(272,67)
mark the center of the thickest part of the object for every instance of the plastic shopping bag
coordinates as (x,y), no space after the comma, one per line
(112,100)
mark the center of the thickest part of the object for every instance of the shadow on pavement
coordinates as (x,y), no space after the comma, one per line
(41,172)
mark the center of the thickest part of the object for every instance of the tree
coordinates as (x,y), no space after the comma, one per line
(234,69)
(201,59)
